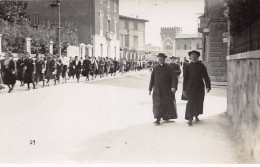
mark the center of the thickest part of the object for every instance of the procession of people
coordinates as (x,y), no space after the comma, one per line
(45,68)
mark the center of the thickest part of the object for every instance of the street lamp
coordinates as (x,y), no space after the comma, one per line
(59,43)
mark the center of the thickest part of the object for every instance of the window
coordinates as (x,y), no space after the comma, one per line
(115,6)
(108,23)
(136,41)
(126,40)
(101,22)
(185,47)
(101,50)
(115,27)
(126,24)
(135,25)
(121,40)
(108,3)
(35,20)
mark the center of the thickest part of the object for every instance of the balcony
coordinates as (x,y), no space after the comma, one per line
(110,36)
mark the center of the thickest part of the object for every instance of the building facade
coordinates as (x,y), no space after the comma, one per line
(174,43)
(132,37)
(213,26)
(97,21)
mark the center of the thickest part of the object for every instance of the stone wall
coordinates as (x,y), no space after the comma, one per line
(243,99)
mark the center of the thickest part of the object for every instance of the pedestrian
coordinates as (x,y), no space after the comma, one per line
(65,63)
(51,71)
(115,66)
(121,66)
(59,68)
(108,66)
(164,85)
(71,68)
(20,68)
(77,64)
(40,70)
(176,67)
(29,71)
(102,66)
(86,66)
(194,88)
(9,70)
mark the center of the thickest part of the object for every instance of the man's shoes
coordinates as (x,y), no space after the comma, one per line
(197,119)
(157,122)
(190,122)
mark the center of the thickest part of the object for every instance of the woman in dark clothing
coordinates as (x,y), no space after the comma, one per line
(51,71)
(39,72)
(59,68)
(8,67)
(20,68)
(29,71)
(77,64)
(193,86)
(86,66)
(71,68)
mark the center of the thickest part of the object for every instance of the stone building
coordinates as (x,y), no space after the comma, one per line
(213,26)
(132,37)
(97,21)
(174,43)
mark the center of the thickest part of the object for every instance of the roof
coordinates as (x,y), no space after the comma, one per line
(132,18)
(182,36)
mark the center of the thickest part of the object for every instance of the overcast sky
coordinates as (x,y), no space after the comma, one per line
(164,13)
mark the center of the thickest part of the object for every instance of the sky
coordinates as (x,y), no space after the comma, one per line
(164,13)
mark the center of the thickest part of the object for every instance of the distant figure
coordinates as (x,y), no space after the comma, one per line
(164,85)
(77,64)
(8,69)
(193,86)
(20,68)
(29,71)
(86,66)
(185,63)
(176,67)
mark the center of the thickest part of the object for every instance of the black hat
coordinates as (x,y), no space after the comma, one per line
(194,51)
(173,57)
(161,55)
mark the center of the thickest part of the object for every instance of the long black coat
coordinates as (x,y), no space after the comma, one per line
(20,69)
(162,80)
(30,69)
(194,87)
(9,78)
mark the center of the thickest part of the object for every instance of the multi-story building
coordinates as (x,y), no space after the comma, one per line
(132,37)
(97,21)
(213,26)
(176,44)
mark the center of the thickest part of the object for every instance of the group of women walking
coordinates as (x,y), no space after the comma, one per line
(46,67)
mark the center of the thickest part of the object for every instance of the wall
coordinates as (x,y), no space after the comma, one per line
(73,51)
(243,99)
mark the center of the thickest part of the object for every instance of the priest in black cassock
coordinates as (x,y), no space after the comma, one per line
(193,86)
(164,85)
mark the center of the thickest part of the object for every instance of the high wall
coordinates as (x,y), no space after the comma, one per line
(243,99)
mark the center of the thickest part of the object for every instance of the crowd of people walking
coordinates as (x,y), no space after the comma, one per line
(48,67)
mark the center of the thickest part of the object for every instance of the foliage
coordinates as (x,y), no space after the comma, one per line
(13,11)
(15,34)
(242,13)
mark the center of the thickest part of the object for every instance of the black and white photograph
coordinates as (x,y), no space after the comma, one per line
(129,82)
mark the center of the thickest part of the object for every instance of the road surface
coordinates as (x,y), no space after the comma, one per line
(111,121)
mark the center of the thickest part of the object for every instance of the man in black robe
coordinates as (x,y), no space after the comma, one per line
(194,88)
(164,85)
(176,67)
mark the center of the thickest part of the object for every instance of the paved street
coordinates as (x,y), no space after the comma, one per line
(110,121)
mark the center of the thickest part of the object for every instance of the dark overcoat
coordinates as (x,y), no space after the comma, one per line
(162,80)
(51,68)
(194,87)
(9,78)
(39,72)
(20,69)
(29,72)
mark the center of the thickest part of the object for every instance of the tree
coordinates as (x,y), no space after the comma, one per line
(13,11)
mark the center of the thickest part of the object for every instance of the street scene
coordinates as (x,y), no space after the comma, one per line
(130,82)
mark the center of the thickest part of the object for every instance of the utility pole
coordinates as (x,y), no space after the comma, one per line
(59,41)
